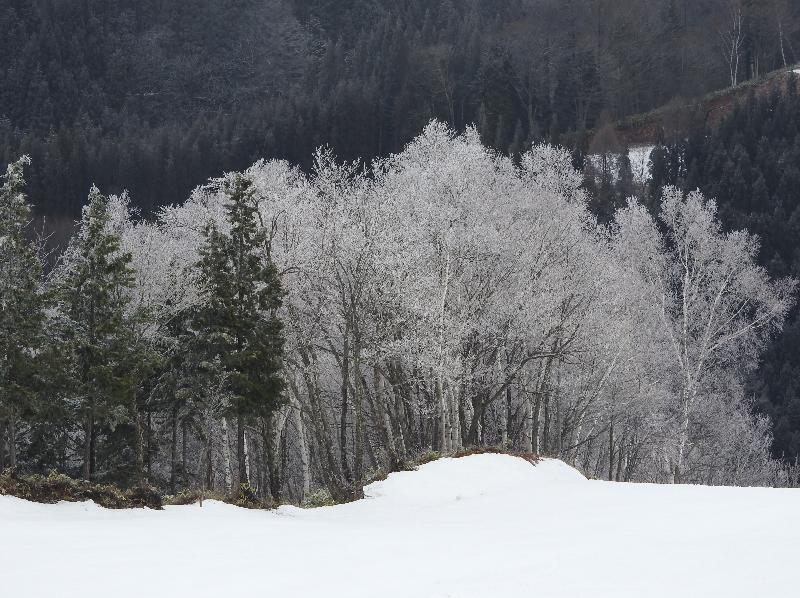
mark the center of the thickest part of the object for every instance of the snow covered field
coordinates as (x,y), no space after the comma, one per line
(482,526)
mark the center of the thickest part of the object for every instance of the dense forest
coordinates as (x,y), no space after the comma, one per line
(129,357)
(280,333)
(155,97)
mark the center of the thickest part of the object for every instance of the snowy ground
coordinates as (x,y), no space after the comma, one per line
(483,526)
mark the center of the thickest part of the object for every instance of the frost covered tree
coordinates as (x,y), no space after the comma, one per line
(716,306)
(21,309)
(356,317)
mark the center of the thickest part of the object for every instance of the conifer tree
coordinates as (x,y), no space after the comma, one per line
(237,323)
(92,286)
(21,309)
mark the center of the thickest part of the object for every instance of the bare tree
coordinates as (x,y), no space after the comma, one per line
(716,306)
(731,39)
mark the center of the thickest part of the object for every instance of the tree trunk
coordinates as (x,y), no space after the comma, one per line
(611,450)
(173,450)
(442,431)
(383,421)
(620,460)
(226,453)
(89,444)
(683,439)
(206,477)
(268,437)
(780,38)
(283,453)
(505,422)
(208,474)
(457,411)
(248,458)
(241,452)
(474,433)
(539,390)
(184,472)
(329,465)
(358,449)
(12,442)
(345,374)
(139,447)
(305,459)
(3,440)
(536,409)
(146,461)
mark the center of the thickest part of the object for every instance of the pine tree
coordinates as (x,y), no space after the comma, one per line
(21,309)
(238,323)
(92,286)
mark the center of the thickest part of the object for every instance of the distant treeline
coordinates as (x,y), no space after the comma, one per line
(155,96)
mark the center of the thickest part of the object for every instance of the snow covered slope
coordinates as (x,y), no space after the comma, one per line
(482,526)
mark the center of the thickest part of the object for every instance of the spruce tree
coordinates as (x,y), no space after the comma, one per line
(237,323)
(94,278)
(21,310)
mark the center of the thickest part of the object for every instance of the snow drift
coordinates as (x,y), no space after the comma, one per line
(480,526)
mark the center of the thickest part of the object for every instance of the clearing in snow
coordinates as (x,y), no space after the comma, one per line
(481,526)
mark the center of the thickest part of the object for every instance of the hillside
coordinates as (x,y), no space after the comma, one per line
(155,97)
(675,119)
(485,525)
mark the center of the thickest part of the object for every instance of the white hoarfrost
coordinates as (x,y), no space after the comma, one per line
(481,526)
(640,162)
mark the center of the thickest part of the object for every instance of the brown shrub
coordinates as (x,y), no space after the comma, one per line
(56,487)
(484,450)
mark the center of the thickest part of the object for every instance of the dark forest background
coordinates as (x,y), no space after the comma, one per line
(156,96)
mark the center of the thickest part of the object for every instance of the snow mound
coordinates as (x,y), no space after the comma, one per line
(465,477)
(475,475)
(480,526)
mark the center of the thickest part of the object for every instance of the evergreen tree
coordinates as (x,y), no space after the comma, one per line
(21,310)
(238,323)
(92,289)
(190,386)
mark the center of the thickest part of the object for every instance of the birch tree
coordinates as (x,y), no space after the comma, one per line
(716,305)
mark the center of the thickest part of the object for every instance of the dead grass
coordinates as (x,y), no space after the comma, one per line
(531,458)
(56,487)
